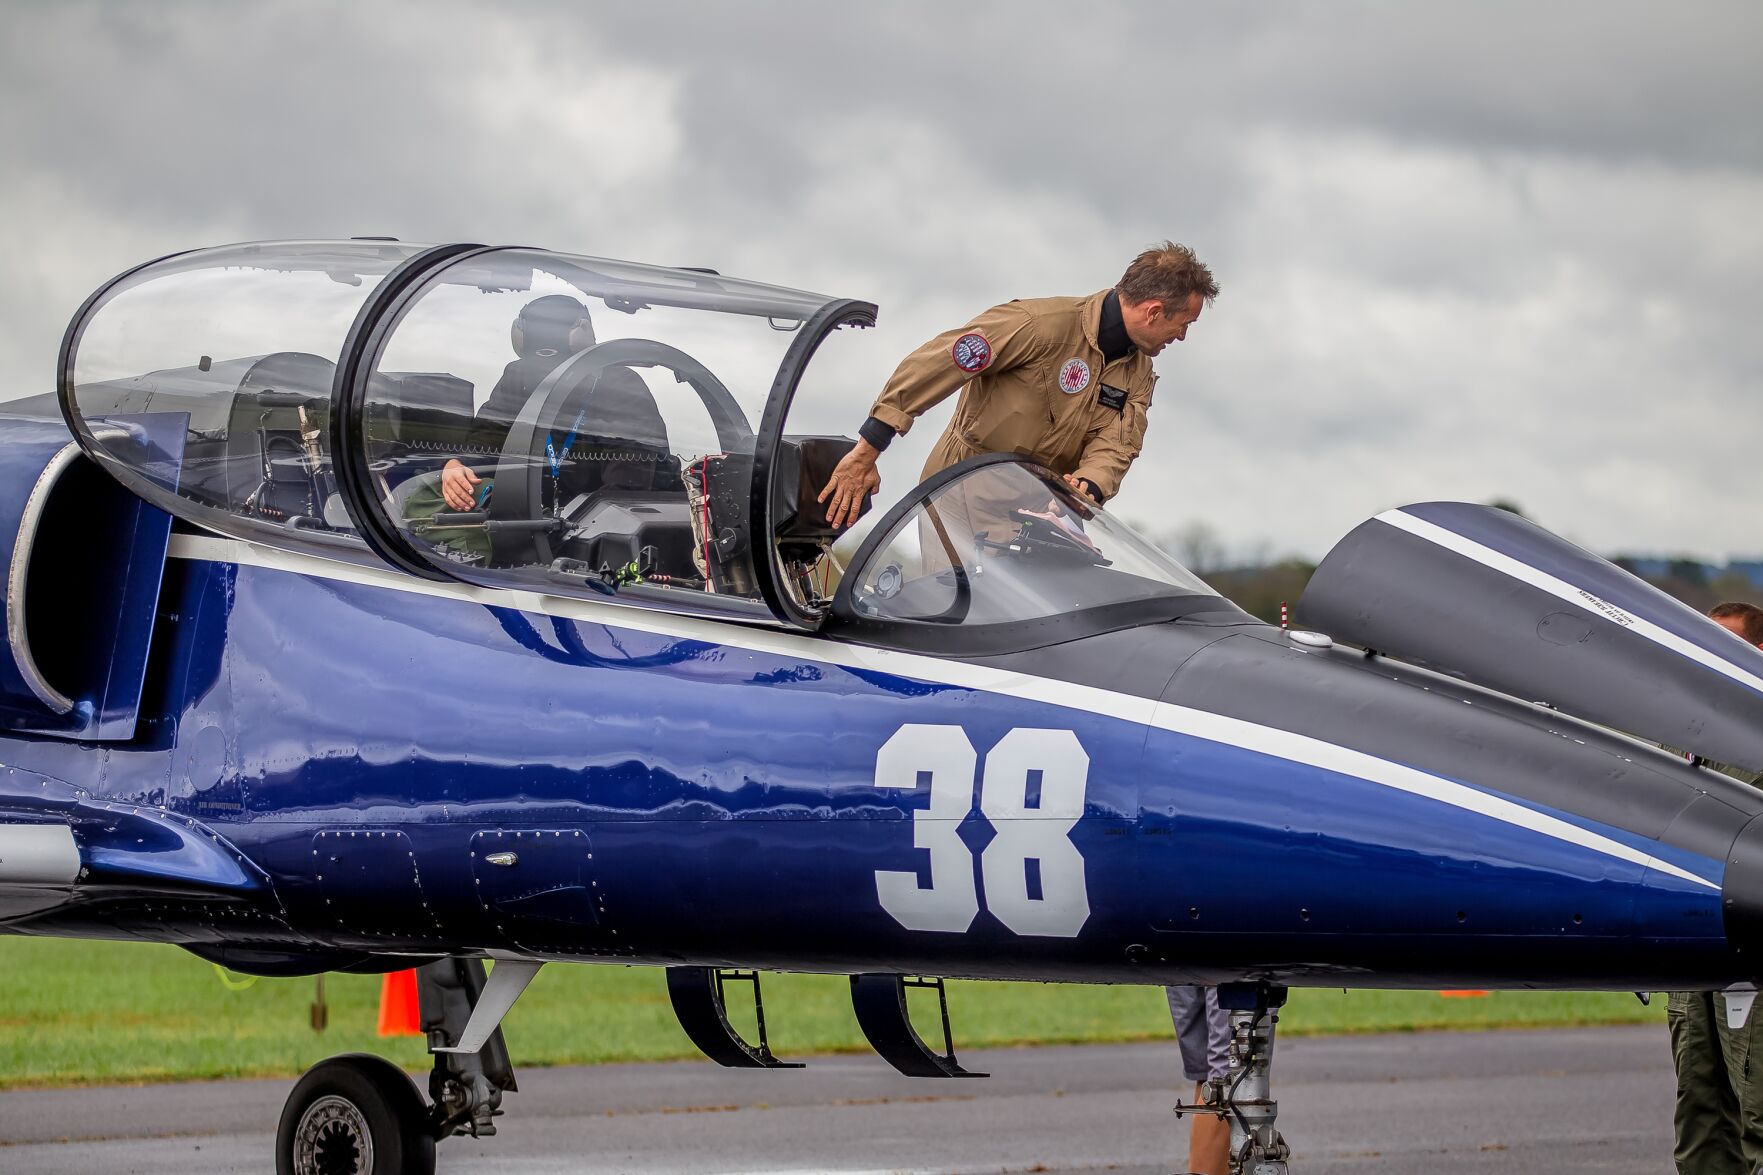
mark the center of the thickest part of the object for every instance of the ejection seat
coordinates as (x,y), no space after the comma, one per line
(277,464)
(607,472)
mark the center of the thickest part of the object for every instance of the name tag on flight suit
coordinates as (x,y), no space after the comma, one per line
(1110,396)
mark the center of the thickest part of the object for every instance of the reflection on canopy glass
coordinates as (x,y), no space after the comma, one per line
(1005,543)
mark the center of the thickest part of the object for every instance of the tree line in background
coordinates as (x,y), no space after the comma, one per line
(1259,584)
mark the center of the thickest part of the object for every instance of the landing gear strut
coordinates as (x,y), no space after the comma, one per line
(362,1115)
(1245,1097)
(466,1086)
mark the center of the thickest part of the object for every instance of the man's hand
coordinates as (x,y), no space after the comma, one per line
(459,486)
(1081,489)
(854,476)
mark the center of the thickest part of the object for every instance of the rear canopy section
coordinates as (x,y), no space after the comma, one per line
(501,416)
(1481,592)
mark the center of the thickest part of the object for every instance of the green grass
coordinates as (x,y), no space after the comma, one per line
(81,1012)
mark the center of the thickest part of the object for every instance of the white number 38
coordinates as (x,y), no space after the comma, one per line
(1034,875)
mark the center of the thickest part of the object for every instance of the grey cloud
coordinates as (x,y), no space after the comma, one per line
(1496,248)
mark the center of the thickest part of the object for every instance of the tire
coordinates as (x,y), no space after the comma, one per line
(354,1115)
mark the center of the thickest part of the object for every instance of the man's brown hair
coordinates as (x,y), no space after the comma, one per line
(1750,618)
(1167,273)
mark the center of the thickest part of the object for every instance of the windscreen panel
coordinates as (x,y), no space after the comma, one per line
(1481,592)
(237,348)
(579,426)
(1003,545)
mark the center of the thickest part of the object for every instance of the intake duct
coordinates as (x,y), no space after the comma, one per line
(82,559)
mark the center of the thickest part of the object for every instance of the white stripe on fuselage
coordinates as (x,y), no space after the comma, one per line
(1251,736)
(1561,589)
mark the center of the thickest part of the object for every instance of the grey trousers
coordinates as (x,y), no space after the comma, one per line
(1202,1029)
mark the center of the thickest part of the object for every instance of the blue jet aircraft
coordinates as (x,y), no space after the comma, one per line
(342,636)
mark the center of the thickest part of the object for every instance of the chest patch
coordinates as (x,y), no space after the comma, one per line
(972,353)
(1074,377)
(1112,397)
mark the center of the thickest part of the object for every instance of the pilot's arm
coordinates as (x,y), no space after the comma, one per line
(1111,447)
(1001,338)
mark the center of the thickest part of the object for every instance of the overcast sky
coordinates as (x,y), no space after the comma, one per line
(1466,250)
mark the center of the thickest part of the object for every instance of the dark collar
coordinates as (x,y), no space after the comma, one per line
(1111,330)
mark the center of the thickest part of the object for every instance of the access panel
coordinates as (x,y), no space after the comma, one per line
(537,886)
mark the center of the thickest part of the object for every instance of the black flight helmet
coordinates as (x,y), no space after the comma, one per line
(551,329)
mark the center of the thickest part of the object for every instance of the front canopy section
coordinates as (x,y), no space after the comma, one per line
(203,382)
(578,426)
(995,555)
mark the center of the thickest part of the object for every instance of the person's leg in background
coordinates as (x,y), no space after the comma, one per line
(1705,1116)
(1202,1030)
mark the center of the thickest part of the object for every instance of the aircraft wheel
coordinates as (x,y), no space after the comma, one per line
(354,1115)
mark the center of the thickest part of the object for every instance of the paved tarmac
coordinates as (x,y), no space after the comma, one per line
(1560,1102)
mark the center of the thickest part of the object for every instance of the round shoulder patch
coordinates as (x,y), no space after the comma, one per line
(972,353)
(1074,377)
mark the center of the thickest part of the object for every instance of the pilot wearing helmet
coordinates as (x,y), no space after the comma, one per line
(547,331)
(602,431)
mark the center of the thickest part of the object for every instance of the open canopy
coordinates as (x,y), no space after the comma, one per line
(998,554)
(509,417)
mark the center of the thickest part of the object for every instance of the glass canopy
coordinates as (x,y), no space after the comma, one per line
(508,417)
(996,544)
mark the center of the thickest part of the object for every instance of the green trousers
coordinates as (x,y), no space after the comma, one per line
(1719,1111)
(468,544)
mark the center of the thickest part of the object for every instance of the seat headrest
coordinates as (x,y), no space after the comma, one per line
(621,410)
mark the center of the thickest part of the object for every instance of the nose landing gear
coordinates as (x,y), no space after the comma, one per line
(362,1115)
(354,1115)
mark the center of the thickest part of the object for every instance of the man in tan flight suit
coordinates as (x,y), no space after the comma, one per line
(1064,381)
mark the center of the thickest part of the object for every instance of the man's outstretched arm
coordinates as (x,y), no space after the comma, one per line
(997,340)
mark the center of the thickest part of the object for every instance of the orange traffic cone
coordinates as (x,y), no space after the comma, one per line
(400,1014)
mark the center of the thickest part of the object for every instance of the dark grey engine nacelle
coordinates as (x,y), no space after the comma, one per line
(1481,592)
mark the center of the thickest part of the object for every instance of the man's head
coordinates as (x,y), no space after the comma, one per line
(552,328)
(1743,620)
(1161,294)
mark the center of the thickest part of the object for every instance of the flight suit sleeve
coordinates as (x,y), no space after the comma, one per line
(1110,448)
(1005,338)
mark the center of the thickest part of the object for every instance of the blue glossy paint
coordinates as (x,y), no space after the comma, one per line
(1346,858)
(675,800)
